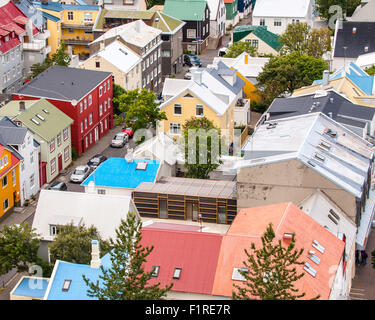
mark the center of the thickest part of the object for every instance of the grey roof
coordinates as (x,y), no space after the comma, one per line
(223,69)
(341,109)
(13,136)
(63,83)
(355,42)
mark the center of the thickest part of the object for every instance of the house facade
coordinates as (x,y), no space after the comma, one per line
(21,140)
(232,16)
(244,8)
(134,5)
(83,95)
(196,14)
(217,22)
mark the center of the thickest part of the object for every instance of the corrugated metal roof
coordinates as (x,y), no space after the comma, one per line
(186,10)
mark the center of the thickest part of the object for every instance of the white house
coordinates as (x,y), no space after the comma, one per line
(217,22)
(21,140)
(276,14)
(57,208)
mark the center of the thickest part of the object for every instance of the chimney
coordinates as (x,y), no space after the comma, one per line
(325,78)
(138,26)
(22,106)
(196,75)
(246,56)
(95,254)
(330,114)
(101,45)
(29,30)
(354,30)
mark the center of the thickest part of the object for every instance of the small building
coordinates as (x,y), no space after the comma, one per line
(277,15)
(29,288)
(187,199)
(118,176)
(133,5)
(57,208)
(231,10)
(217,23)
(259,37)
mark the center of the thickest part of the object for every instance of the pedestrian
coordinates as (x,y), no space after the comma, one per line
(357,262)
(364,257)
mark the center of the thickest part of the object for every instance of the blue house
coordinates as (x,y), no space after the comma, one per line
(244,7)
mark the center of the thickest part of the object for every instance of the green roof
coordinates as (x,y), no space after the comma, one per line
(165,23)
(185,9)
(261,32)
(54,121)
(12,108)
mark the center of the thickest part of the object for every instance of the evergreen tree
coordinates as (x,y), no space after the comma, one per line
(239,47)
(272,271)
(126,279)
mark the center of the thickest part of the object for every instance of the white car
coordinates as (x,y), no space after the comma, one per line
(119,140)
(80,173)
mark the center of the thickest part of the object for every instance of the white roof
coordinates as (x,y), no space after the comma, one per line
(213,5)
(136,32)
(366,60)
(364,12)
(62,207)
(173,86)
(346,163)
(284,8)
(120,56)
(161,146)
(318,207)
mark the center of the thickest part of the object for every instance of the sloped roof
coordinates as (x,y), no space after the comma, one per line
(285,8)
(12,135)
(186,10)
(261,32)
(364,12)
(54,121)
(248,227)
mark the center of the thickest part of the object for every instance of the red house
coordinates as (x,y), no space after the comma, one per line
(83,95)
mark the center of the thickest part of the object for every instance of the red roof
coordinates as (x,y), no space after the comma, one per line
(195,252)
(3,32)
(13,27)
(14,161)
(21,19)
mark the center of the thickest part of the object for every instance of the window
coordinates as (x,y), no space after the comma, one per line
(255,43)
(191,33)
(155,271)
(80,107)
(52,145)
(90,137)
(59,139)
(87,16)
(5,181)
(97,64)
(5,161)
(174,128)
(100,110)
(277,23)
(66,154)
(65,134)
(262,22)
(90,118)
(148,79)
(32,157)
(101,191)
(32,180)
(177,109)
(147,62)
(81,126)
(105,106)
(105,87)
(109,103)
(90,99)
(70,15)
(151,58)
(199,110)
(14,177)
(66,285)
(53,165)
(86,141)
(105,124)
(5,204)
(100,91)
(177,273)
(159,68)
(144,82)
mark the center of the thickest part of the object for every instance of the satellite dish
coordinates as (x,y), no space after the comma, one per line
(74,102)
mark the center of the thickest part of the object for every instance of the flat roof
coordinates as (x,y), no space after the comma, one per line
(191,187)
(29,287)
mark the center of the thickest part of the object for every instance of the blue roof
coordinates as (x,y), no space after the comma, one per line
(31,289)
(73,271)
(50,17)
(57,6)
(354,73)
(116,172)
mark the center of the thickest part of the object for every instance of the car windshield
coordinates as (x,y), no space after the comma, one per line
(79,172)
(55,184)
(95,160)
(119,137)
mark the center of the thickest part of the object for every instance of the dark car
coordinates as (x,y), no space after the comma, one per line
(192,60)
(58,185)
(96,160)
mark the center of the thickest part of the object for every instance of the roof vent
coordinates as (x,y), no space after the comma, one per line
(319,157)
(331,100)
(155,271)
(46,111)
(354,30)
(330,132)
(324,145)
(22,105)
(123,51)
(287,236)
(271,125)
(157,19)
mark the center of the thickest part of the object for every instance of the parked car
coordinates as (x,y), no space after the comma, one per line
(96,160)
(119,140)
(80,173)
(58,185)
(222,51)
(129,131)
(192,60)
(187,75)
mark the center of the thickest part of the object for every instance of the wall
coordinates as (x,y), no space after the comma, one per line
(251,92)
(232,13)
(13,67)
(112,191)
(263,48)
(274,183)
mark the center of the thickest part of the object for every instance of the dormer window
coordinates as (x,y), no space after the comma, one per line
(6,39)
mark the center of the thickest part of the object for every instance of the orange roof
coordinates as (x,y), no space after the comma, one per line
(248,227)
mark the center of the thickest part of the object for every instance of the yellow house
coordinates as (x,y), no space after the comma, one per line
(204,96)
(10,180)
(74,25)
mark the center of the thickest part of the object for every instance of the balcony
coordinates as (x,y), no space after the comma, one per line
(36,45)
(242,112)
(83,25)
(78,40)
(43,35)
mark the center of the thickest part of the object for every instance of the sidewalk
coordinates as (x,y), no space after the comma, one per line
(20,214)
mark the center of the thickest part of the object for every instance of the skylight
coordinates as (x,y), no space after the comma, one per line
(330,132)
(325,145)
(317,246)
(313,257)
(155,271)
(35,121)
(236,275)
(141,166)
(66,285)
(309,269)
(40,117)
(319,157)
(46,111)
(177,273)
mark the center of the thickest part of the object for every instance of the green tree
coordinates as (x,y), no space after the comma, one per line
(348,7)
(151,3)
(140,109)
(238,47)
(283,74)
(299,37)
(272,270)
(126,279)
(59,58)
(117,92)
(19,246)
(371,70)
(202,153)
(73,244)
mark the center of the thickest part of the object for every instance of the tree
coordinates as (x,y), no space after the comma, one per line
(19,246)
(126,279)
(117,92)
(347,6)
(59,58)
(283,74)
(272,270)
(202,153)
(238,47)
(140,109)
(299,37)
(371,70)
(73,244)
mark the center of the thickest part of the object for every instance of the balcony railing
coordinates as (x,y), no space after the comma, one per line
(43,35)
(83,41)
(82,25)
(36,45)
(243,103)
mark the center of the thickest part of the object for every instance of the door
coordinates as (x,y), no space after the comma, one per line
(96,134)
(59,159)
(195,211)
(222,214)
(163,209)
